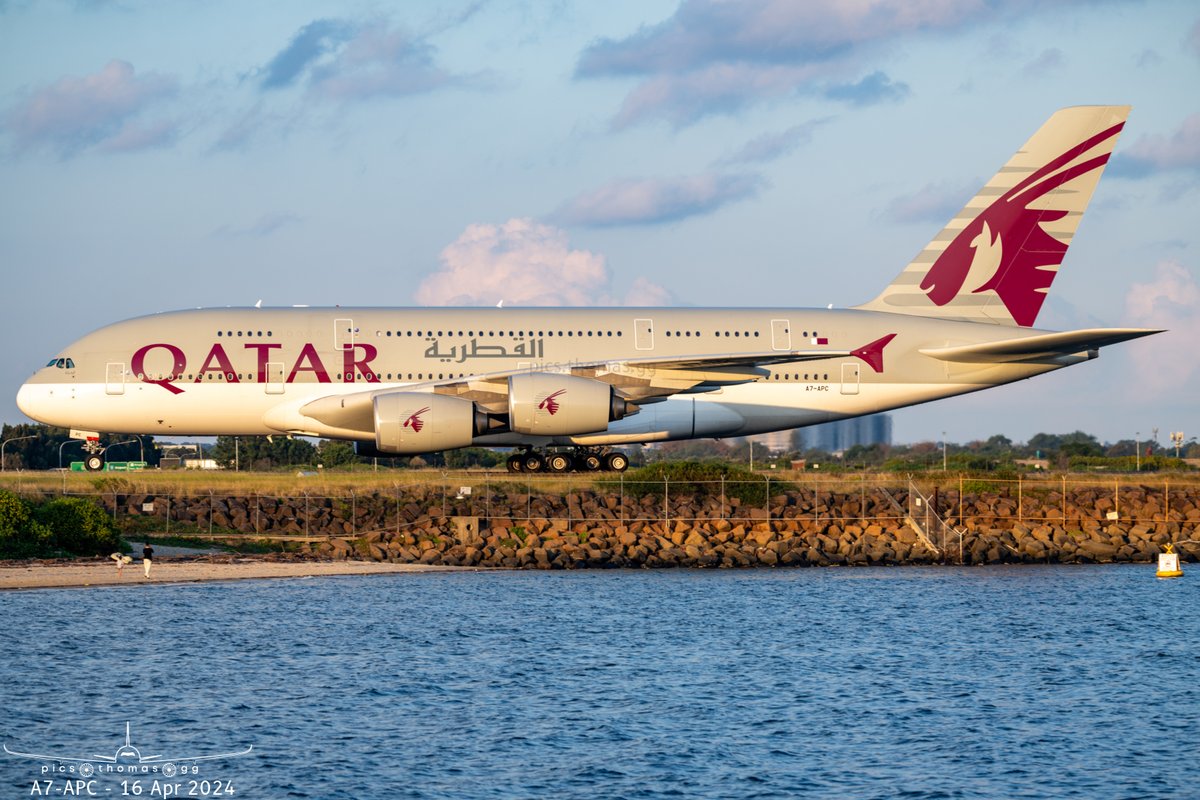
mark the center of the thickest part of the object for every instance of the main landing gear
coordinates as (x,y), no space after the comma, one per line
(581,459)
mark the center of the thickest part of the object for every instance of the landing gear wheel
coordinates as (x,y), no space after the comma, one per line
(514,463)
(557,462)
(94,463)
(617,462)
(531,462)
(589,462)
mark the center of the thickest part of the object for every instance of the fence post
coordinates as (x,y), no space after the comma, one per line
(306,532)
(767,501)
(862,498)
(168,515)
(1064,500)
(210,512)
(353,514)
(256,505)
(621,499)
(666,502)
(1020,500)
(396,486)
(1117,497)
(114,508)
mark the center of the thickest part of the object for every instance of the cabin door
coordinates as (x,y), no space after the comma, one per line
(849,378)
(643,334)
(343,334)
(114,378)
(274,384)
(781,334)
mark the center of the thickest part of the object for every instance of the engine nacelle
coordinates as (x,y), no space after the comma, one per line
(413,422)
(546,404)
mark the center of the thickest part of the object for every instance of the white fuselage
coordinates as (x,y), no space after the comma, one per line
(251,371)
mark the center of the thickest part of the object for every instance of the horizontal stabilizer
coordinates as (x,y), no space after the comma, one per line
(1032,348)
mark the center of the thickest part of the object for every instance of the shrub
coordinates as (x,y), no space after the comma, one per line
(700,478)
(79,526)
(21,536)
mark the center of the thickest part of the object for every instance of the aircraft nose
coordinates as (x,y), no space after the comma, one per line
(28,399)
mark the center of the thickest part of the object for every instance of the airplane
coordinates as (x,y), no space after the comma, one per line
(128,755)
(958,318)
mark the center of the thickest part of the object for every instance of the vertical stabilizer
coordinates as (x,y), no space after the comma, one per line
(995,261)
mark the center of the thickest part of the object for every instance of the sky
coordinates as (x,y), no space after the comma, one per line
(164,155)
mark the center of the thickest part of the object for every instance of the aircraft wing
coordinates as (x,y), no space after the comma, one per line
(640,380)
(1032,348)
(44,757)
(159,759)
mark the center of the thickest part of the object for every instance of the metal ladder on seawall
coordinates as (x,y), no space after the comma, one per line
(920,515)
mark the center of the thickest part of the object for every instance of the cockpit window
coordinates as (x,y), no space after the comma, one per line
(61,363)
(53,362)
(70,364)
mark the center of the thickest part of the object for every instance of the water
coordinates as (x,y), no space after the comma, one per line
(1065,681)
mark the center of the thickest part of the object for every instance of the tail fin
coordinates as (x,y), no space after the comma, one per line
(995,261)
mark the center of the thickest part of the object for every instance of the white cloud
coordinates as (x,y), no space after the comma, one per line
(1170,300)
(1152,153)
(934,202)
(770,146)
(343,60)
(650,201)
(714,57)
(101,109)
(525,263)
(1048,61)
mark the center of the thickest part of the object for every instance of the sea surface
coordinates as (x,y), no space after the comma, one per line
(910,682)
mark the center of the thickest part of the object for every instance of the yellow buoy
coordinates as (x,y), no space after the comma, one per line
(1168,564)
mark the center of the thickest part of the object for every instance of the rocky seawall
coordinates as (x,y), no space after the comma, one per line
(529,529)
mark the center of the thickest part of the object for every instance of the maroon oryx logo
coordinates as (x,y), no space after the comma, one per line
(414,420)
(1009,242)
(549,404)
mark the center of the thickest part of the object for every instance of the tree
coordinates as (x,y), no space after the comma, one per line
(332,453)
(259,453)
(42,451)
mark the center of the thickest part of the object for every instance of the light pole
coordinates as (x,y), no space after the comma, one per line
(104,452)
(5,444)
(64,444)
(1177,440)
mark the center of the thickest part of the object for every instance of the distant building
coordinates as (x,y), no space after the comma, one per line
(839,436)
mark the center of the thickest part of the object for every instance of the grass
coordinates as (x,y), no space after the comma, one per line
(343,484)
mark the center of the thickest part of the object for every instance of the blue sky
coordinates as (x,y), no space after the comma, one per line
(156,156)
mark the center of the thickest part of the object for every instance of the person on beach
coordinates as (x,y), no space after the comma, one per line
(147,557)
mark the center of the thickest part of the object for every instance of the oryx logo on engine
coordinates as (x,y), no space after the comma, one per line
(550,404)
(414,420)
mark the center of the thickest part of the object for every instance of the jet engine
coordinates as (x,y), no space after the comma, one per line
(413,422)
(546,404)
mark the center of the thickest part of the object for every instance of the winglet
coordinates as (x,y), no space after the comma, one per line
(872,353)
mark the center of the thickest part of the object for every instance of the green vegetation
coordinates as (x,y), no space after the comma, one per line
(63,526)
(47,445)
(701,478)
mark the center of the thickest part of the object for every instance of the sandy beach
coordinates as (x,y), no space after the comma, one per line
(64,574)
